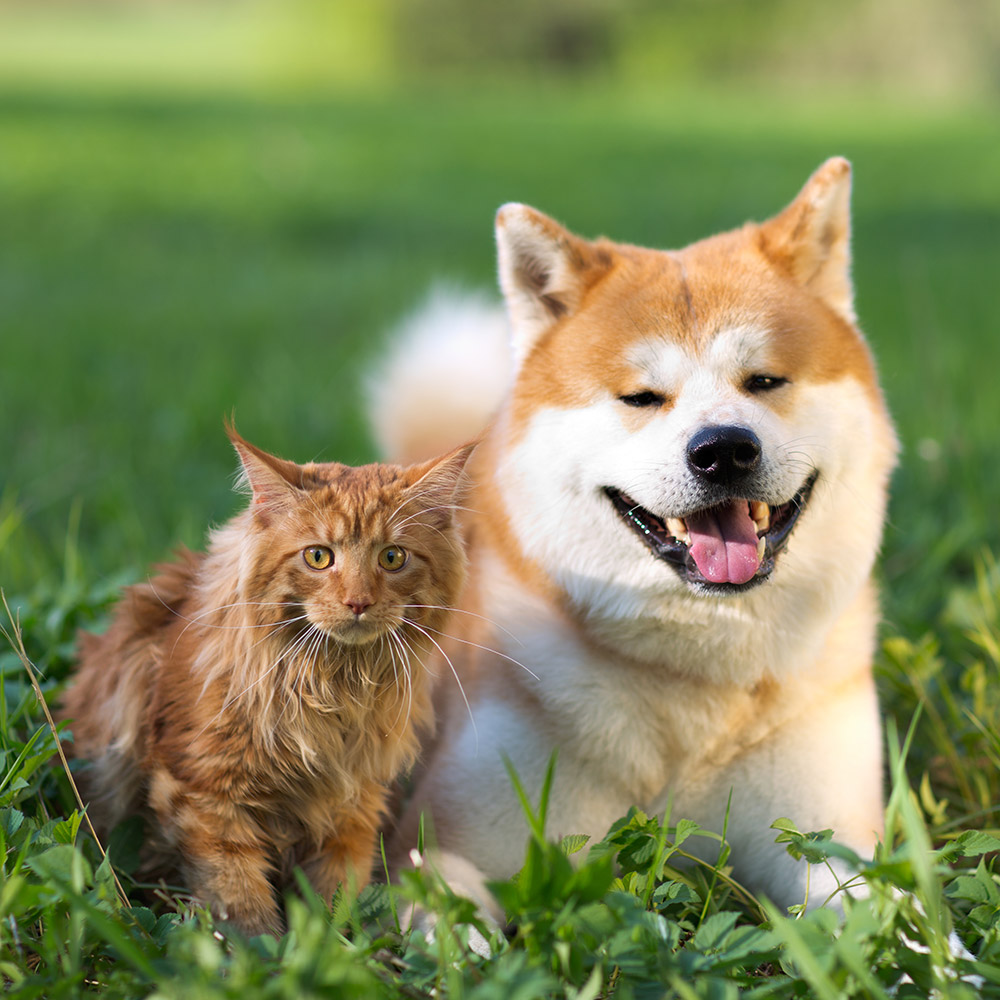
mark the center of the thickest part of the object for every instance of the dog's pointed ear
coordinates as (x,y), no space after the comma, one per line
(811,238)
(544,271)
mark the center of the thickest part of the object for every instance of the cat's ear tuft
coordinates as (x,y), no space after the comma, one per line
(273,482)
(442,483)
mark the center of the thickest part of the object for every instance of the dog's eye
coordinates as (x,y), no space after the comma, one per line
(763,383)
(638,399)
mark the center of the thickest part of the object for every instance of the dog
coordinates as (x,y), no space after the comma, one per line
(676,509)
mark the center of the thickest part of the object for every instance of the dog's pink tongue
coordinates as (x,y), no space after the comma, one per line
(724,543)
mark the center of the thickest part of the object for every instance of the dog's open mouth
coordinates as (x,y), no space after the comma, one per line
(729,547)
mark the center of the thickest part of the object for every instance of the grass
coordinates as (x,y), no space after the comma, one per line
(630,920)
(166,259)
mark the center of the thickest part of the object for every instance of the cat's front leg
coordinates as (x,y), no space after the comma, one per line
(347,850)
(224,857)
(231,878)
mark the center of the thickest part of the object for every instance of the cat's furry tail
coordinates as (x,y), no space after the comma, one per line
(445,371)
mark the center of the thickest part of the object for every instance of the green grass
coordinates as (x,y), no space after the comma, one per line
(165,260)
(631,920)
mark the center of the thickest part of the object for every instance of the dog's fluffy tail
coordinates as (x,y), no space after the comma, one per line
(444,375)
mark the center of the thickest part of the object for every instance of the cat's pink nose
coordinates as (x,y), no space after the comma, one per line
(358,606)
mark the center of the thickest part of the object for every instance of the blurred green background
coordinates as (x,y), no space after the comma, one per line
(217,206)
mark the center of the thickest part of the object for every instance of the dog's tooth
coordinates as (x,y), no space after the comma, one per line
(761,545)
(760,512)
(677,528)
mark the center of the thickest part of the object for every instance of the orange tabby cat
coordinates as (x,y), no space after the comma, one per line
(254,701)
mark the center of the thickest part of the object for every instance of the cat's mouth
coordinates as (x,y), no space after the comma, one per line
(359,630)
(351,630)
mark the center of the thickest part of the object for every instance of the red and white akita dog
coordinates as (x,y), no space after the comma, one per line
(675,512)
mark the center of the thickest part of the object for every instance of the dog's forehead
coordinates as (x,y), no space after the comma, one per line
(665,360)
(689,296)
(717,306)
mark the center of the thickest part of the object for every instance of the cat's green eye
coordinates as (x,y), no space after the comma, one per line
(318,557)
(392,557)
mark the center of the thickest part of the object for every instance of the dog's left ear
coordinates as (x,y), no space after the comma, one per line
(544,271)
(811,238)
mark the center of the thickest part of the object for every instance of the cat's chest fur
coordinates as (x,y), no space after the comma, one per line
(317,747)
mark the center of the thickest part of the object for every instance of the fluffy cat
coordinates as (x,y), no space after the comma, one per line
(255,700)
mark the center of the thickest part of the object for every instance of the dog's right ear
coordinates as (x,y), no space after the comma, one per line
(544,271)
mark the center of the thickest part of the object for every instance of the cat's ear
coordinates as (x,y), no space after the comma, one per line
(441,484)
(274,482)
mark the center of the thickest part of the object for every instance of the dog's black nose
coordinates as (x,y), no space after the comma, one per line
(723,455)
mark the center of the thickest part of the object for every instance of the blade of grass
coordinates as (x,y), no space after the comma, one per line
(16,640)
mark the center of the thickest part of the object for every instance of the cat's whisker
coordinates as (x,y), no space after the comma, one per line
(304,680)
(321,653)
(405,702)
(197,619)
(406,500)
(441,506)
(395,678)
(239,626)
(301,651)
(272,628)
(315,504)
(211,675)
(404,650)
(458,680)
(414,498)
(392,660)
(277,628)
(433,527)
(326,646)
(427,510)
(485,649)
(287,652)
(306,673)
(231,699)
(462,611)
(305,660)
(293,687)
